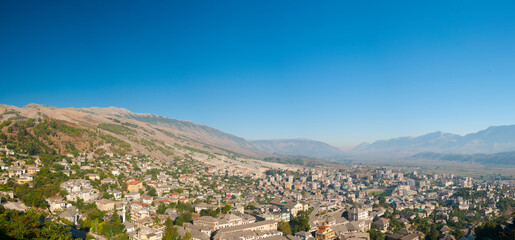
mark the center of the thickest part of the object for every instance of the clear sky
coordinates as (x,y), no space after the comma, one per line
(336,71)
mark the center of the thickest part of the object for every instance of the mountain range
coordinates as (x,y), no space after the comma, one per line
(298,147)
(147,133)
(131,126)
(491,140)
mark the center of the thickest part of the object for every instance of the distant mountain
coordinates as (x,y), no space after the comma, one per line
(298,147)
(506,158)
(491,140)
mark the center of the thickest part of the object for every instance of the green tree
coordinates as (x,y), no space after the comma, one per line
(226,209)
(209,212)
(300,222)
(458,234)
(250,206)
(107,195)
(122,236)
(505,203)
(489,230)
(113,227)
(29,225)
(433,234)
(376,234)
(152,191)
(187,236)
(181,219)
(171,231)
(161,209)
(284,227)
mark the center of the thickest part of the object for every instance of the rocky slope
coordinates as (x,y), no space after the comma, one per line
(148,132)
(145,132)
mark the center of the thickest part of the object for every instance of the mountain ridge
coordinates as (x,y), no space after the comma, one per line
(298,147)
(493,139)
(202,135)
(182,131)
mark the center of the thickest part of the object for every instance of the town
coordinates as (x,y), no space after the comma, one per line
(257,120)
(105,195)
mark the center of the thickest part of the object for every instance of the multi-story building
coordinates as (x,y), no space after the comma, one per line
(356,214)
(134,186)
(324,232)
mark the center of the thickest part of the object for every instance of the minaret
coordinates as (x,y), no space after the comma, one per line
(123,213)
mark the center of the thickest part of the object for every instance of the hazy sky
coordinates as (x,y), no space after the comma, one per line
(337,71)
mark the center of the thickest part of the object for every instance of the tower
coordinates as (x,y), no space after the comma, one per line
(123,213)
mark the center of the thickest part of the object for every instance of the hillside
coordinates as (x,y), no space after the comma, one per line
(158,135)
(126,124)
(298,147)
(194,131)
(53,137)
(38,129)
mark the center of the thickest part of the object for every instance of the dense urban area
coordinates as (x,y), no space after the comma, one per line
(111,191)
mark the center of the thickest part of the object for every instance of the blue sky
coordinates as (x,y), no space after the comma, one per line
(336,71)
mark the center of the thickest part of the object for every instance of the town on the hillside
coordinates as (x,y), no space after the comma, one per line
(123,196)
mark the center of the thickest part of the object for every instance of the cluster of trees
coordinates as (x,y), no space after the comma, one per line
(467,193)
(226,209)
(284,227)
(19,137)
(183,218)
(36,138)
(29,225)
(33,138)
(505,203)
(116,128)
(300,222)
(376,234)
(161,208)
(85,207)
(112,227)
(171,232)
(151,191)
(494,231)
(31,197)
(210,212)
(433,233)
(394,225)
(5,123)
(250,206)
(118,146)
(46,184)
(297,224)
(151,145)
(95,222)
(184,210)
